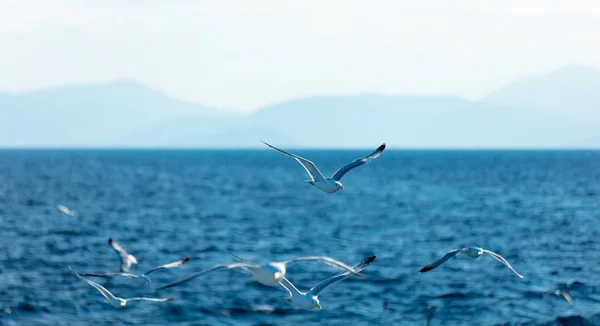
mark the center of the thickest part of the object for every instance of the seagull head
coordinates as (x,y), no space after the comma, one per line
(316,303)
(473,252)
(277,276)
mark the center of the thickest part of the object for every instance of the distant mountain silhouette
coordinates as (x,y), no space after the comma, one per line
(128,114)
(87,115)
(411,121)
(572,92)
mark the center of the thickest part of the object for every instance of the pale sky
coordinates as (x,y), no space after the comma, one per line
(245,54)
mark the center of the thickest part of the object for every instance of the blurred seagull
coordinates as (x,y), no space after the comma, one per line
(65,210)
(332,184)
(117,302)
(126,259)
(310,300)
(474,252)
(143,278)
(562,293)
(268,274)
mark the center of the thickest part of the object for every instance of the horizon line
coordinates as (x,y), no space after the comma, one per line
(304,148)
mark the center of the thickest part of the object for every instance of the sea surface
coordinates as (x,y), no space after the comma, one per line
(539,209)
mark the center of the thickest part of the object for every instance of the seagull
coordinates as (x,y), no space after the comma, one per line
(117,302)
(144,278)
(310,300)
(268,274)
(332,184)
(65,210)
(126,259)
(474,252)
(562,293)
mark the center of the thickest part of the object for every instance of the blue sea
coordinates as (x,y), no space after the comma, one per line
(539,209)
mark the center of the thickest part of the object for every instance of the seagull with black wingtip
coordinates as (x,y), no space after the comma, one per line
(333,184)
(474,252)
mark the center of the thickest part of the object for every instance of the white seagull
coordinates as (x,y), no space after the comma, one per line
(143,278)
(474,252)
(65,210)
(332,184)
(268,274)
(562,293)
(310,300)
(117,302)
(126,259)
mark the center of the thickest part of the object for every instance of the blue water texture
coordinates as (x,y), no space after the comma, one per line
(539,209)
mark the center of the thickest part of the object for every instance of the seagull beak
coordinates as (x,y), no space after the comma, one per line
(319,305)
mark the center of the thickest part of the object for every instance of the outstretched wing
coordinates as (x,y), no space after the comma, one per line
(564,295)
(65,210)
(170,265)
(289,286)
(151,299)
(327,260)
(337,176)
(502,260)
(340,276)
(204,272)
(98,287)
(440,261)
(110,274)
(238,257)
(309,166)
(117,247)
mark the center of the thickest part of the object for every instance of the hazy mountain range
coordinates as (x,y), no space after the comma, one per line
(558,109)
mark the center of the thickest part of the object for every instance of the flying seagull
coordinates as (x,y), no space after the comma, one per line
(562,293)
(143,278)
(268,274)
(126,259)
(65,210)
(310,300)
(332,184)
(117,302)
(474,252)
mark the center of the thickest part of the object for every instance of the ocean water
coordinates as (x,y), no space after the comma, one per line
(539,209)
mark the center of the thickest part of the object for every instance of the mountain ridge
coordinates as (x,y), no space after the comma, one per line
(125,113)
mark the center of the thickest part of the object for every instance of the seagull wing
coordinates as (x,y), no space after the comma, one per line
(440,261)
(340,276)
(117,247)
(565,295)
(98,287)
(170,265)
(289,286)
(65,210)
(109,274)
(204,272)
(240,258)
(502,260)
(327,260)
(309,166)
(337,176)
(150,299)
